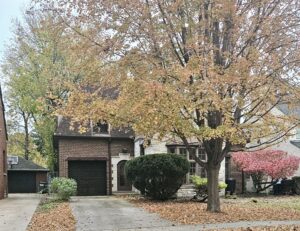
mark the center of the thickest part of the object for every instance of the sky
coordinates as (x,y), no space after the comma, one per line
(9,10)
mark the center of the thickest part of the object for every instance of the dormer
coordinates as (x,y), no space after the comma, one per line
(100,128)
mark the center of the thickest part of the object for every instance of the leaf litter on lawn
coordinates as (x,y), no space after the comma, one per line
(190,212)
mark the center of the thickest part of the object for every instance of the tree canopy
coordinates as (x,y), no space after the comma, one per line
(210,69)
(36,75)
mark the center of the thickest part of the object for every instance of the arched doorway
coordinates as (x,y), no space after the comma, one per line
(123,184)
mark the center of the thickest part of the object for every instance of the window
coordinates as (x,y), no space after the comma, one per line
(192,154)
(142,150)
(172,150)
(192,168)
(182,151)
(101,127)
(201,153)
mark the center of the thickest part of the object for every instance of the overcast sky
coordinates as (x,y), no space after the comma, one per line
(9,10)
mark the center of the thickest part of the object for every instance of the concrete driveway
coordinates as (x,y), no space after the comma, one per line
(16,211)
(110,213)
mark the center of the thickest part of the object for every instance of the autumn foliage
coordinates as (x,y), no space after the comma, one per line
(208,70)
(272,163)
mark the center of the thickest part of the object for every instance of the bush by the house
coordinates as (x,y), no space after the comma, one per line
(63,187)
(158,176)
(201,187)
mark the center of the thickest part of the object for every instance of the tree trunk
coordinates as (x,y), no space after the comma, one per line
(26,140)
(213,203)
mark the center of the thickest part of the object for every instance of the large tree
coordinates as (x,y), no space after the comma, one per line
(36,70)
(209,69)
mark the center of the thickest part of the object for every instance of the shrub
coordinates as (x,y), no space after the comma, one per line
(201,186)
(63,187)
(157,176)
(264,164)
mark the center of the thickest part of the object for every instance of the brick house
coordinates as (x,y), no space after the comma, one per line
(95,158)
(3,154)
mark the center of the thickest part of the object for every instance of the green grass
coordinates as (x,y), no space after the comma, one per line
(48,204)
(285,203)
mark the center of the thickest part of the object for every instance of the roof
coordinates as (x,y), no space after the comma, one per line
(288,110)
(63,129)
(26,165)
(296,143)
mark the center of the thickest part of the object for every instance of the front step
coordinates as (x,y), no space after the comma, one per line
(124,193)
(186,191)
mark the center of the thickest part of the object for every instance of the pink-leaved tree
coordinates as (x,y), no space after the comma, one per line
(270,165)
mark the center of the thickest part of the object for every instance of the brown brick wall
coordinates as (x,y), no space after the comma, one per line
(118,145)
(3,157)
(40,177)
(78,148)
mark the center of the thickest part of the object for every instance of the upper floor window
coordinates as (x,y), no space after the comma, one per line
(100,128)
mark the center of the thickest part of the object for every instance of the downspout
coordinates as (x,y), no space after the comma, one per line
(109,167)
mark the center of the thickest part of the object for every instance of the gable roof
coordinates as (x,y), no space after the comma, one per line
(25,165)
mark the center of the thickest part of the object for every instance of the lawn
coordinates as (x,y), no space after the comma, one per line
(51,215)
(233,210)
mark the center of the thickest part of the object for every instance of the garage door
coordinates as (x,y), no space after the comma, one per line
(21,182)
(90,177)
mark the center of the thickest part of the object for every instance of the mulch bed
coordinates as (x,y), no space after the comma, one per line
(188,212)
(58,217)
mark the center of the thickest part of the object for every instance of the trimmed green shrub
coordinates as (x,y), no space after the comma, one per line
(201,186)
(63,187)
(158,176)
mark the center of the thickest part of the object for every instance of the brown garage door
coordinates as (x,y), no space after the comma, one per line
(90,177)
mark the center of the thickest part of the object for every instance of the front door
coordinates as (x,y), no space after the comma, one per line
(123,184)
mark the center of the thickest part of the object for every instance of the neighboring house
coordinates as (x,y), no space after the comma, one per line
(3,155)
(291,145)
(95,158)
(24,176)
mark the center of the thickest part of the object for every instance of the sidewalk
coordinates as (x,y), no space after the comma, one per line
(219,226)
